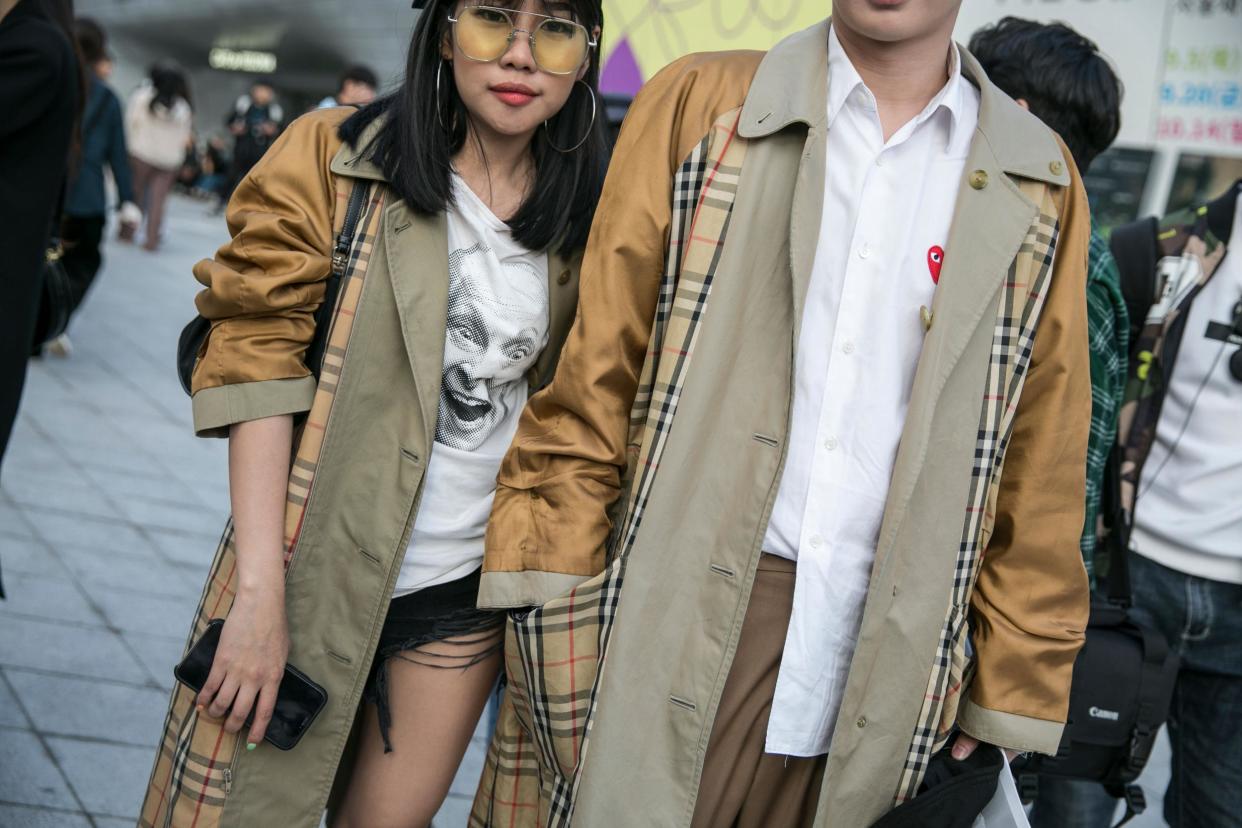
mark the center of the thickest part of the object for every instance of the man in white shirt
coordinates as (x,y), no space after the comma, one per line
(876,454)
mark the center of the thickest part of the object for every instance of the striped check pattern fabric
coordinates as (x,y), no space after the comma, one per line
(555,655)
(1021,302)
(192,776)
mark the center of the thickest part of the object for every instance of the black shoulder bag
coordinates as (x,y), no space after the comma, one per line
(194,336)
(56,293)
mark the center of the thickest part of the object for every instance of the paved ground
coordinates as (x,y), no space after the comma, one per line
(109,514)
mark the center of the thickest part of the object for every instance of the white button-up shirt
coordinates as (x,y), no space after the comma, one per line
(887,209)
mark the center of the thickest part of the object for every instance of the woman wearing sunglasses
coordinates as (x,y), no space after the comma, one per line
(360,566)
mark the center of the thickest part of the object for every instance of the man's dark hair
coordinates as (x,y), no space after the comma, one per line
(1061,75)
(425,122)
(358,74)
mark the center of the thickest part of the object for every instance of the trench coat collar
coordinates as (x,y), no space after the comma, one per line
(791,87)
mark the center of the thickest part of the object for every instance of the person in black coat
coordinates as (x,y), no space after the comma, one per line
(40,94)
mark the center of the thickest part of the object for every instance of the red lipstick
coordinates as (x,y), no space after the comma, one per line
(514,94)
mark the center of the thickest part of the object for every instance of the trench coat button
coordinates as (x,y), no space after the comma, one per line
(925,316)
(563,279)
(534,495)
(862,721)
(1056,167)
(979,179)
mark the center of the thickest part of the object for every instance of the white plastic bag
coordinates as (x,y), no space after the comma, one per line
(1005,810)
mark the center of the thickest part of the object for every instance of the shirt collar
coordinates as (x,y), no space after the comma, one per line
(843,80)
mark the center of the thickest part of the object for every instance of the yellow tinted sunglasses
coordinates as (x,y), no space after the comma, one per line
(559,45)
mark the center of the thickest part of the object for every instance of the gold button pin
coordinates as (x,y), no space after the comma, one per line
(1056,167)
(978,179)
(925,315)
(563,279)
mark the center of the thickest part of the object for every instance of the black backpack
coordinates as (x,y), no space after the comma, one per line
(1125,673)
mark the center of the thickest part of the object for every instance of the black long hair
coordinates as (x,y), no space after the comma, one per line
(169,84)
(424,128)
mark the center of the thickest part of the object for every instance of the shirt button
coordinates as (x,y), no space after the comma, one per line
(864,251)
(879,160)
(816,540)
(848,347)
(831,444)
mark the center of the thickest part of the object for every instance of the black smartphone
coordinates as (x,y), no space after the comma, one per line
(298,701)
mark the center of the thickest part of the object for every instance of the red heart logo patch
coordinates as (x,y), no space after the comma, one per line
(935,258)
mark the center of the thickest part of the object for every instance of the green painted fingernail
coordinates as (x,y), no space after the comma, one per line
(251,746)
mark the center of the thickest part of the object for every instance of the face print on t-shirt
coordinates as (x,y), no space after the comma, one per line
(497,325)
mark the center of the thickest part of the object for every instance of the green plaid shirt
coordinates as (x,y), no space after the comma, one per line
(1108,328)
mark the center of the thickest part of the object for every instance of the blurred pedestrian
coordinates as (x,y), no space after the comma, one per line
(357,87)
(255,122)
(1061,77)
(191,168)
(158,121)
(103,144)
(215,169)
(482,172)
(41,93)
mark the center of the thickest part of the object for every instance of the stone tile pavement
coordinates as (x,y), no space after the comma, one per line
(109,514)
(110,510)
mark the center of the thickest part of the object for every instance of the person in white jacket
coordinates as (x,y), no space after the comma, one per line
(158,123)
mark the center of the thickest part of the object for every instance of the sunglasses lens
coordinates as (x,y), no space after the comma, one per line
(482,33)
(560,46)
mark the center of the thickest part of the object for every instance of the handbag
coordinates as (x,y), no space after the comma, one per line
(194,335)
(56,293)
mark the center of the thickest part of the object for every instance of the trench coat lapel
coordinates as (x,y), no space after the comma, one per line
(416,247)
(990,222)
(417,250)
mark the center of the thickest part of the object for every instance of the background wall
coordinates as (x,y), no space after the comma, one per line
(1180,61)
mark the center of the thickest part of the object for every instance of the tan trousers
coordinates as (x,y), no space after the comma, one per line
(741,786)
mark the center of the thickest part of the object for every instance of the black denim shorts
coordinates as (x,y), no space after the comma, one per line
(441,613)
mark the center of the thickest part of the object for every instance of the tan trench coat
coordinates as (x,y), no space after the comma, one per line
(986,502)
(261,291)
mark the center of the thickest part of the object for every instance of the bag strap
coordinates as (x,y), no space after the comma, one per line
(340,260)
(1116,537)
(1133,247)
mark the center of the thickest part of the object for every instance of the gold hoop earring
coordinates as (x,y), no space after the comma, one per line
(590,126)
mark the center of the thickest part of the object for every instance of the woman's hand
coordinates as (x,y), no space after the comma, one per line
(249,663)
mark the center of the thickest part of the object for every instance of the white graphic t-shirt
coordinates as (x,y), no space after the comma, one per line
(497,327)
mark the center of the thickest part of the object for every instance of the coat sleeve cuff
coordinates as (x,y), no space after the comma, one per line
(215,409)
(1009,730)
(512,590)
